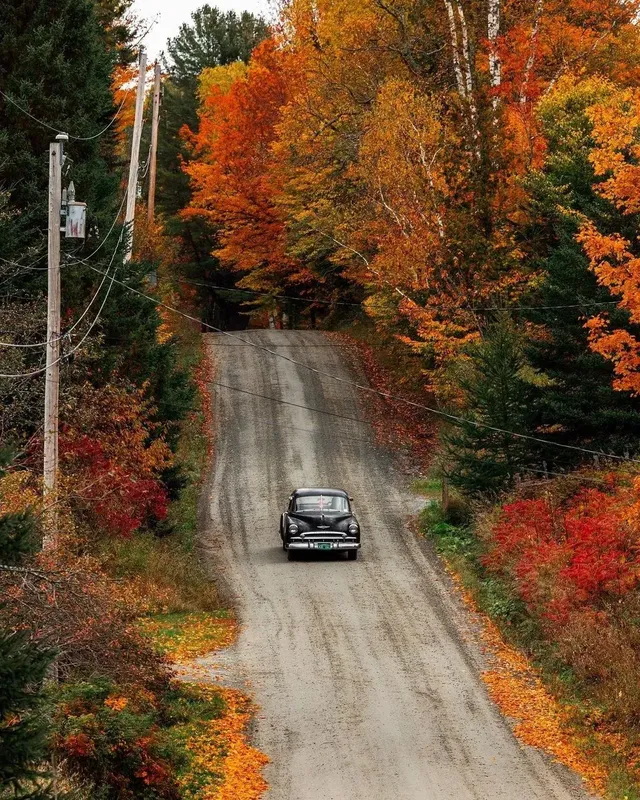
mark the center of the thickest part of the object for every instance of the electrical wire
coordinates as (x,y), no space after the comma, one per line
(108,233)
(145,165)
(429,307)
(67,255)
(305,430)
(268,294)
(106,128)
(364,422)
(443,414)
(290,403)
(90,328)
(25,266)
(58,130)
(577,475)
(67,333)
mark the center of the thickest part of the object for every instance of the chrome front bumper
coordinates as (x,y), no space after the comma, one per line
(323,541)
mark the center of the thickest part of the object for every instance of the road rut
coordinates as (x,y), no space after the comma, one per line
(366,672)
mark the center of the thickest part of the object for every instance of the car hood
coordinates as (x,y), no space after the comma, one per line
(318,518)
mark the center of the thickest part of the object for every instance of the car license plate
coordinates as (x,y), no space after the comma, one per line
(324,546)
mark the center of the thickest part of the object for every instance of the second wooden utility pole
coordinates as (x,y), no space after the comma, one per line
(151,207)
(132,186)
(52,375)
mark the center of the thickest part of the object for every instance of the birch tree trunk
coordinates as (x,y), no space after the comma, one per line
(455,48)
(493,31)
(466,58)
(533,47)
(463,66)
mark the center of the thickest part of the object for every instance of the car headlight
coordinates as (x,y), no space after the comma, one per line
(353,528)
(293,529)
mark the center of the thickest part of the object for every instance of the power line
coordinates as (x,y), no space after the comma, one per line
(106,128)
(107,235)
(25,266)
(308,408)
(58,130)
(560,474)
(90,328)
(295,405)
(468,308)
(66,334)
(533,470)
(269,294)
(32,266)
(145,165)
(443,414)
(428,307)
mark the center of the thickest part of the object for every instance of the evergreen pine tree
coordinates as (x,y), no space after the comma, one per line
(55,63)
(23,666)
(23,732)
(577,404)
(482,461)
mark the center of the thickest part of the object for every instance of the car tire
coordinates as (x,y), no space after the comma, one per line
(291,555)
(352,555)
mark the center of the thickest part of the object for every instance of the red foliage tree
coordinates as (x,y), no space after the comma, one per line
(110,461)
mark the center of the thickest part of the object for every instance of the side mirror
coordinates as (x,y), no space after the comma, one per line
(351,499)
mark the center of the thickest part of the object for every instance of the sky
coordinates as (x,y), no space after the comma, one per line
(171,13)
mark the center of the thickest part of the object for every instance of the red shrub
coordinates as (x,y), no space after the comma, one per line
(561,558)
(111,461)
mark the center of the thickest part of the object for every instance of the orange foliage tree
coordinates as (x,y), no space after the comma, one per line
(232,173)
(380,147)
(614,256)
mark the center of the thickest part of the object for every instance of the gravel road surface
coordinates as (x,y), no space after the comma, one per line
(366,672)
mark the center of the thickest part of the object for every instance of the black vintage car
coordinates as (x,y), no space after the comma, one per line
(320,519)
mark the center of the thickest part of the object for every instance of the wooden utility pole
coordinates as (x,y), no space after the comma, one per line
(445,494)
(151,206)
(52,380)
(132,187)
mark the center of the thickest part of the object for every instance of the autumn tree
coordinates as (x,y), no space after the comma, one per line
(574,401)
(481,68)
(613,253)
(233,174)
(113,459)
(385,170)
(212,38)
(405,154)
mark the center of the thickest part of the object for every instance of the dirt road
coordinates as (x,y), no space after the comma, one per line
(366,672)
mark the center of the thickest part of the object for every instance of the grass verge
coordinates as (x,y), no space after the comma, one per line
(183,636)
(164,571)
(200,730)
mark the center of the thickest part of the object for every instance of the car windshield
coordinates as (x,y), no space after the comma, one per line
(323,503)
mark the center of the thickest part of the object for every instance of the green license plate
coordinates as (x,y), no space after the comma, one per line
(324,546)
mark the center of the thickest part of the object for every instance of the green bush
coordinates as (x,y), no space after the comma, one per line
(127,742)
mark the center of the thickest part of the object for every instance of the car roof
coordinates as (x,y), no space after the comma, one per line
(305,492)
